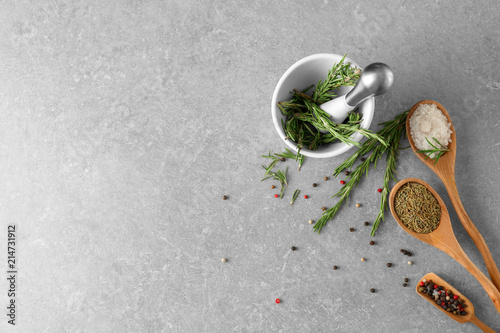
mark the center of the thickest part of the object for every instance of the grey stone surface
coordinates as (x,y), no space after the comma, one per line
(124,122)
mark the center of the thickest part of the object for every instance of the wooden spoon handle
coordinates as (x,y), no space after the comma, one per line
(481,325)
(471,229)
(459,255)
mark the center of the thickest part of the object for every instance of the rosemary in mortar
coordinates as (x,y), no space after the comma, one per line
(417,208)
(309,126)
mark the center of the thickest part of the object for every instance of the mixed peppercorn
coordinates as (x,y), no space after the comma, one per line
(443,297)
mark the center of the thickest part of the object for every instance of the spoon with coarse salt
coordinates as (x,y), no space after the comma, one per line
(445,169)
(444,239)
(469,317)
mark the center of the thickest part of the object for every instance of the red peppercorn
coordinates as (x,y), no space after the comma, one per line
(305,197)
(276,195)
(455,297)
(342,182)
(443,303)
(379,190)
(421,283)
(435,286)
(278,300)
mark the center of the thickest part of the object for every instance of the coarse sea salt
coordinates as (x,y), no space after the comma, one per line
(427,121)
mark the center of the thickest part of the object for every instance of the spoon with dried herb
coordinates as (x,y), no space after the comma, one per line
(445,169)
(428,283)
(409,204)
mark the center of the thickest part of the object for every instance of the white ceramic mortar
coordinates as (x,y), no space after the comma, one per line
(305,72)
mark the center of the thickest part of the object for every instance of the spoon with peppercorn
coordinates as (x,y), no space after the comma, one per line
(444,167)
(441,235)
(455,305)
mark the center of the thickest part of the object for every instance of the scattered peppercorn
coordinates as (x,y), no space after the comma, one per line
(372,243)
(272,186)
(335,267)
(406,279)
(311,221)
(314,184)
(224,197)
(276,195)
(223,260)
(294,248)
(409,254)
(306,197)
(367,223)
(379,190)
(283,159)
(363,259)
(410,262)
(342,182)
(372,290)
(351,229)
(323,208)
(358,205)
(363,159)
(402,250)
(347,173)
(389,264)
(326,178)
(278,301)
(405,284)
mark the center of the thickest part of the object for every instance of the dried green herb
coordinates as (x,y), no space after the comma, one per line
(417,208)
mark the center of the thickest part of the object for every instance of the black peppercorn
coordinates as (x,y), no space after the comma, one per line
(314,184)
(367,223)
(389,264)
(363,159)
(372,243)
(405,252)
(372,290)
(294,248)
(335,267)
(347,173)
(351,229)
(405,285)
(283,159)
(224,197)
(409,254)
(406,279)
(402,250)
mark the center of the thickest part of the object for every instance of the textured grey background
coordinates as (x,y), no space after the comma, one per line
(124,122)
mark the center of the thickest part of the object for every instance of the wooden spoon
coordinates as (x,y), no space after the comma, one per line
(445,169)
(470,316)
(444,239)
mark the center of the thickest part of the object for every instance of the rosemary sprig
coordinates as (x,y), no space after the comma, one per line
(390,169)
(340,75)
(289,154)
(391,132)
(295,195)
(281,177)
(270,167)
(436,153)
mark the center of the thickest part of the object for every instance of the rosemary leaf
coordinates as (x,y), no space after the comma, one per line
(295,195)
